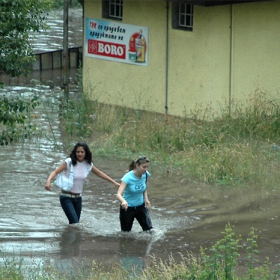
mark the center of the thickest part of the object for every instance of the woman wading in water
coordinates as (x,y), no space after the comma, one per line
(81,159)
(133,195)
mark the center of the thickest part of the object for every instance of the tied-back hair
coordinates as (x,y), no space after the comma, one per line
(139,160)
(88,156)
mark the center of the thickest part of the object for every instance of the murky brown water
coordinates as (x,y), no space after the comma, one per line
(186,215)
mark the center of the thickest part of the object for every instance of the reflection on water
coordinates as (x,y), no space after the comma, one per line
(70,248)
(76,245)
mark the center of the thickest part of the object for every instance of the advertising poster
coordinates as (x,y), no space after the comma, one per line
(116,41)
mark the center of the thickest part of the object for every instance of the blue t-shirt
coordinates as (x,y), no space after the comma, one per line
(135,188)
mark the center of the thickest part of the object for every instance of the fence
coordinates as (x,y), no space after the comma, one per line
(53,59)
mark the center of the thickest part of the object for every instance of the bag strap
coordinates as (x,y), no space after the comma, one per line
(71,170)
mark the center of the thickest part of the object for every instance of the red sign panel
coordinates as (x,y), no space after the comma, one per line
(106,49)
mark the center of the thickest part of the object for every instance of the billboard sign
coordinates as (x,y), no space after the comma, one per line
(116,41)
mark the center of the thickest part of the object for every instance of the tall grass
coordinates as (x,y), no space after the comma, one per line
(206,146)
(218,262)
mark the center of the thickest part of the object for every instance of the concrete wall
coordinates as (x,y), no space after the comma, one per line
(199,60)
(256,54)
(130,85)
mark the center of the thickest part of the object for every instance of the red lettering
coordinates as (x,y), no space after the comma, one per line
(92,24)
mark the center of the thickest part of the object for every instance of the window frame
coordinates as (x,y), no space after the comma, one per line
(178,14)
(117,13)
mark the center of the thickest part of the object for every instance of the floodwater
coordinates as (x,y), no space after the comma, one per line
(52,37)
(186,215)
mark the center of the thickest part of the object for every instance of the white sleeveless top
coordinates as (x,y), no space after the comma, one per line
(81,171)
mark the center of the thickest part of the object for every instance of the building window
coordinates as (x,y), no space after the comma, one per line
(112,9)
(182,16)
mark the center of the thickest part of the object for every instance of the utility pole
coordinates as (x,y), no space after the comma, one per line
(65,56)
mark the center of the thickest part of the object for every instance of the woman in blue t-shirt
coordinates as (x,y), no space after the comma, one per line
(133,195)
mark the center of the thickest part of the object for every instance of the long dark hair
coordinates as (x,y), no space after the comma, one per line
(88,156)
(139,160)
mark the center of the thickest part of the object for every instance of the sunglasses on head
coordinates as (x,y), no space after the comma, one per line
(142,158)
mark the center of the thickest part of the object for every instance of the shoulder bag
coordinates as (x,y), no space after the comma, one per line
(64,182)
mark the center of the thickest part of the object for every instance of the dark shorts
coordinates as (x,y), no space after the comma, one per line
(140,213)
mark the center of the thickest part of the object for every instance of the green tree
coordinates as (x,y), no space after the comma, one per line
(17,19)
(14,116)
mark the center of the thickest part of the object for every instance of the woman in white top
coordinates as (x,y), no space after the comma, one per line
(81,159)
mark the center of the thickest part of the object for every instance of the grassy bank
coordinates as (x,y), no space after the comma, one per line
(228,150)
(218,262)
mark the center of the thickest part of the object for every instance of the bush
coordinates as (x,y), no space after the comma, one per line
(220,263)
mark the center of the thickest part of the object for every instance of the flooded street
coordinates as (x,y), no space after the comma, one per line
(52,38)
(186,215)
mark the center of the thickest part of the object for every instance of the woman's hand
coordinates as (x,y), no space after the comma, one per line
(61,168)
(117,185)
(121,189)
(48,186)
(124,205)
(148,204)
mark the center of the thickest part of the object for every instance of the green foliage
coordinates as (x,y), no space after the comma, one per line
(17,19)
(228,150)
(220,262)
(77,116)
(11,268)
(224,256)
(13,117)
(226,251)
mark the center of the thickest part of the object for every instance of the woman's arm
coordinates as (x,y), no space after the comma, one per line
(62,167)
(147,202)
(102,175)
(120,195)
